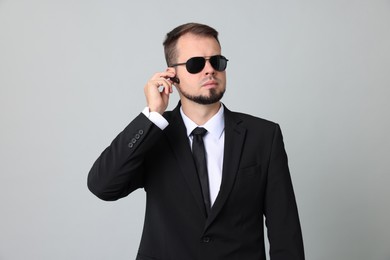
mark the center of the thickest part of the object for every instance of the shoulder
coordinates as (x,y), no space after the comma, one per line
(249,121)
(170,115)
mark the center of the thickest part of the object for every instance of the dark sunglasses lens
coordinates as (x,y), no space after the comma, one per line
(218,62)
(195,65)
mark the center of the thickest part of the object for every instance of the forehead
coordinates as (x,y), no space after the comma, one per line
(190,45)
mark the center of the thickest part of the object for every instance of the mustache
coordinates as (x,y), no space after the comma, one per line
(208,79)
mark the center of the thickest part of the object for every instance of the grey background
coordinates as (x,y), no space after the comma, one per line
(72,76)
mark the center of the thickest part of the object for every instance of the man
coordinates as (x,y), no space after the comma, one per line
(206,194)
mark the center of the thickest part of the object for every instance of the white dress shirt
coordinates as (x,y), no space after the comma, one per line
(214,141)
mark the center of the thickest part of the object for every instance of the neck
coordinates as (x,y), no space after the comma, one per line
(199,113)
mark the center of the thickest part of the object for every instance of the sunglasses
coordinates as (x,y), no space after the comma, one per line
(196,64)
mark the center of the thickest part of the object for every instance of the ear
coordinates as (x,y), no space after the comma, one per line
(171,69)
(174,79)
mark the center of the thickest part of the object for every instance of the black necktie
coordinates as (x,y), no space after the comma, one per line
(199,155)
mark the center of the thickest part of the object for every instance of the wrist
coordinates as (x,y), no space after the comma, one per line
(156,118)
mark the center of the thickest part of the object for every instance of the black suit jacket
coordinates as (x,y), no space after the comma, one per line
(255,183)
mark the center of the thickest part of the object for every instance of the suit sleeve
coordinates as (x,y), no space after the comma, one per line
(119,169)
(284,231)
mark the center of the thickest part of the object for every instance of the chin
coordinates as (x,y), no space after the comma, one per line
(212,98)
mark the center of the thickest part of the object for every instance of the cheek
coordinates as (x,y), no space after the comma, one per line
(187,86)
(222,78)
(191,81)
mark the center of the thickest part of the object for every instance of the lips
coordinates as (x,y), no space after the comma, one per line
(210,83)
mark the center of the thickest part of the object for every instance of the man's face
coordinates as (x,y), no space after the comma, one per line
(207,86)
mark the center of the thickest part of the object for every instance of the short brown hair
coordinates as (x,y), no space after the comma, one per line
(173,36)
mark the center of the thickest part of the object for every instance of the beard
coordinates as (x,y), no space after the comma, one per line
(212,98)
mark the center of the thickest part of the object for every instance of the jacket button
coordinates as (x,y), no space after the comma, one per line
(137,136)
(133,140)
(141,132)
(206,239)
(131,145)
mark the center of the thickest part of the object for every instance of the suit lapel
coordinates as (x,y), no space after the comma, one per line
(234,140)
(177,136)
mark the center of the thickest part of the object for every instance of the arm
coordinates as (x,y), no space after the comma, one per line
(119,169)
(284,231)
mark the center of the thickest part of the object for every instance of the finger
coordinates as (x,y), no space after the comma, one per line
(167,85)
(160,85)
(165,75)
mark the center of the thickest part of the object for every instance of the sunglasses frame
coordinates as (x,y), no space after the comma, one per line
(210,59)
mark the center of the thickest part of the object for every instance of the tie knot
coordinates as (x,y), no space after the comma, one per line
(200,131)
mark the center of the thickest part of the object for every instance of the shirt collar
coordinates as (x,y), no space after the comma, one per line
(214,126)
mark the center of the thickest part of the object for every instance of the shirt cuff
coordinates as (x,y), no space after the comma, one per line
(156,118)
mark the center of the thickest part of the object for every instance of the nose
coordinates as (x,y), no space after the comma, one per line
(208,69)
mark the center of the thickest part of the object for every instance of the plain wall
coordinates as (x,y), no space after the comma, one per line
(72,76)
